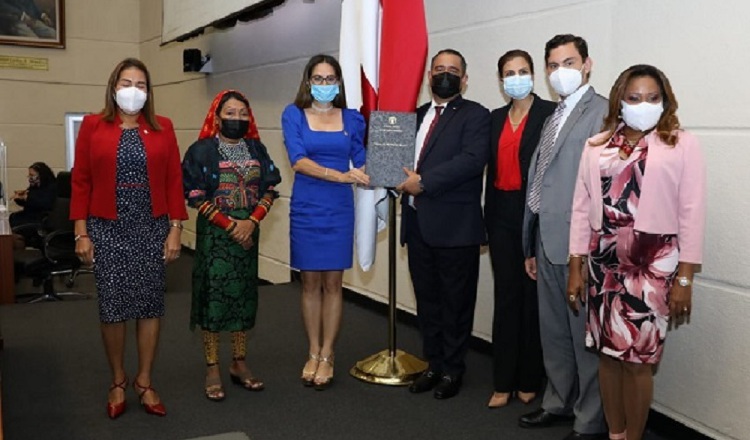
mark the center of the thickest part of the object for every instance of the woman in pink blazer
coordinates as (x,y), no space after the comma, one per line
(638,215)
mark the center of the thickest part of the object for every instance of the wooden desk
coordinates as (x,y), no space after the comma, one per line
(7,282)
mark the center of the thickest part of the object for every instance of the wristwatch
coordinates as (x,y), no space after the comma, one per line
(684,281)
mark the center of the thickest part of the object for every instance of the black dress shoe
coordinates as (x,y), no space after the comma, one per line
(425,382)
(448,387)
(578,436)
(542,419)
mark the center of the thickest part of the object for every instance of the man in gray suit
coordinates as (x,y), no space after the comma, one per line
(572,393)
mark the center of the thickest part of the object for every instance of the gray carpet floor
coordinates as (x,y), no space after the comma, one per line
(55,378)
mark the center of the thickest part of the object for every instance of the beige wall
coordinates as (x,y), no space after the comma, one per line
(34,102)
(703,378)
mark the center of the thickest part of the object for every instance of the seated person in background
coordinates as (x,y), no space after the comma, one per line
(36,200)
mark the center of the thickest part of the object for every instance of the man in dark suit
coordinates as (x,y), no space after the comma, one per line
(572,393)
(442,221)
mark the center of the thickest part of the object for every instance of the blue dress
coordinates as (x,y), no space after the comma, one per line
(322,213)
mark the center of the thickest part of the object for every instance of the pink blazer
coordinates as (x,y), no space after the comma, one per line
(673,195)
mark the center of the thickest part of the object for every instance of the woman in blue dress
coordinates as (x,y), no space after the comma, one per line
(324,141)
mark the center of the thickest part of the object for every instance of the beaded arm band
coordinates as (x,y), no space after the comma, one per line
(215,217)
(260,212)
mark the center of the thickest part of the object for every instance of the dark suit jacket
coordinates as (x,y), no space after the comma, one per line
(538,113)
(450,209)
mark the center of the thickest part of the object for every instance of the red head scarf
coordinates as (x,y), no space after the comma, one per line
(209,125)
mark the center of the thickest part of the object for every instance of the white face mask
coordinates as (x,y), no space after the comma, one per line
(565,80)
(643,116)
(131,99)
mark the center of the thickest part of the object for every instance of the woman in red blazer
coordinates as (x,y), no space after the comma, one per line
(127,205)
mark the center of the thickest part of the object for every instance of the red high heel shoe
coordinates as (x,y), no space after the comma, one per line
(115,410)
(156,409)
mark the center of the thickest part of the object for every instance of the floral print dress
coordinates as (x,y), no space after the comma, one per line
(631,272)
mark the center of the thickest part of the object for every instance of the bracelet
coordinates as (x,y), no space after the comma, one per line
(176,225)
(576,256)
(254,220)
(80,236)
(326,173)
(231,227)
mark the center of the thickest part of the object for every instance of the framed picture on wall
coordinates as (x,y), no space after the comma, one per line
(38,23)
(72,125)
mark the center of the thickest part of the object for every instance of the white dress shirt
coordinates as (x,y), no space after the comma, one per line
(421,135)
(570,102)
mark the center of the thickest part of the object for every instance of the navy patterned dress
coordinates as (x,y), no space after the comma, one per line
(129,252)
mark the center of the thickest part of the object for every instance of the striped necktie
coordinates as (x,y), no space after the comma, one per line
(545,157)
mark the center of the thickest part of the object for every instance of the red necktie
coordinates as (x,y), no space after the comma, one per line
(438,110)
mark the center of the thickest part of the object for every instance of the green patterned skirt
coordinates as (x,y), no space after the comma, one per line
(225,279)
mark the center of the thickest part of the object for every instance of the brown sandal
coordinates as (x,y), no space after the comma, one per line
(214,390)
(245,379)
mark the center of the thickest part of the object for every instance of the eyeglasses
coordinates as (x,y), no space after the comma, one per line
(320,80)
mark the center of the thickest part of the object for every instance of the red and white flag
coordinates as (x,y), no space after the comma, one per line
(382,51)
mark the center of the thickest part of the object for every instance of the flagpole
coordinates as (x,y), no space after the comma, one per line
(391,366)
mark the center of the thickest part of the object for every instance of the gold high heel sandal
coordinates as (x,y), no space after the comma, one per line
(323,382)
(308,376)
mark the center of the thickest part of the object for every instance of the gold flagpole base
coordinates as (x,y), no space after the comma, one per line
(384,369)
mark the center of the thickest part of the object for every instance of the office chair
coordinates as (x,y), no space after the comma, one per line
(57,254)
(64,190)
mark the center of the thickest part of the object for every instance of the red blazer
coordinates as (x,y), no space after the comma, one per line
(95,169)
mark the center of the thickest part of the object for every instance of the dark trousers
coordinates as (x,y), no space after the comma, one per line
(445,286)
(516,347)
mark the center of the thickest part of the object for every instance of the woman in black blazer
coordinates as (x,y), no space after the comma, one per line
(515,131)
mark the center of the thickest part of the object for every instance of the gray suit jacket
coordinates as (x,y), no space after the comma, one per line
(558,185)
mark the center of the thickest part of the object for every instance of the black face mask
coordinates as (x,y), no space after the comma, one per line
(446,85)
(234,128)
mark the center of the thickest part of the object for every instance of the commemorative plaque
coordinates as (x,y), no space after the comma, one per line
(390,147)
